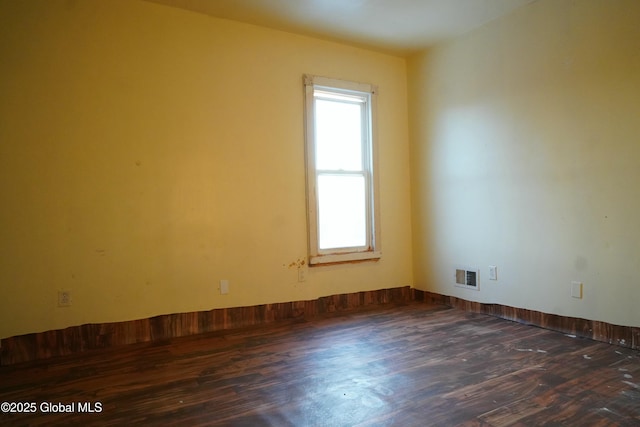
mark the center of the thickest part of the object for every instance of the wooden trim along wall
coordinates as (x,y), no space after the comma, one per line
(77,339)
(624,336)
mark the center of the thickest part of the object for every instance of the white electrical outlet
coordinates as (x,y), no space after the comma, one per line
(576,290)
(302,274)
(224,287)
(64,298)
(493,272)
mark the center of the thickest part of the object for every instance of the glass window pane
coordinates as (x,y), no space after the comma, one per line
(338,135)
(341,211)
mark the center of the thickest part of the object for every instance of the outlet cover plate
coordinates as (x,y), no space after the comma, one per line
(493,272)
(576,290)
(224,287)
(64,298)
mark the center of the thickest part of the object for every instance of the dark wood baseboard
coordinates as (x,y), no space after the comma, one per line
(77,339)
(624,336)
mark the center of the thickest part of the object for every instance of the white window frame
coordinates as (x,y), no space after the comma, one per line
(372,249)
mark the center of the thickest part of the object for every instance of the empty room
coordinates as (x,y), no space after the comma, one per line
(320,213)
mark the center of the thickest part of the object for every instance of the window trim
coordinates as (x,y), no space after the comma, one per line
(373,250)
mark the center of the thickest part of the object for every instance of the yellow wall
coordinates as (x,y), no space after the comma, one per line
(525,144)
(148,152)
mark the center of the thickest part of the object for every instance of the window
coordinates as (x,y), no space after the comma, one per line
(341,190)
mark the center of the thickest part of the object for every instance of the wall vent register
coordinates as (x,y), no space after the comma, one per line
(467,278)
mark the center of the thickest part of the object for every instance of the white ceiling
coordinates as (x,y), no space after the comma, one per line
(393,26)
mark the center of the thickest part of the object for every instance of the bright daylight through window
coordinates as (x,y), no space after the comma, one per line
(342,201)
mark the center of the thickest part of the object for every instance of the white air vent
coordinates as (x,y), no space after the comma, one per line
(468,278)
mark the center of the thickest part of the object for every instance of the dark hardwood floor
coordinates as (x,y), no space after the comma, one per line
(410,365)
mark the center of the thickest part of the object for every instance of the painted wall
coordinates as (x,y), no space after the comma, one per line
(148,152)
(525,144)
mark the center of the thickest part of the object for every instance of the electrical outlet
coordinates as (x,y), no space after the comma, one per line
(493,272)
(64,298)
(224,287)
(302,274)
(576,290)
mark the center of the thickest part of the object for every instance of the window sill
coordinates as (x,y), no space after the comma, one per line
(316,260)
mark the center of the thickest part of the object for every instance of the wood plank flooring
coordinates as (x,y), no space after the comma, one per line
(401,365)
